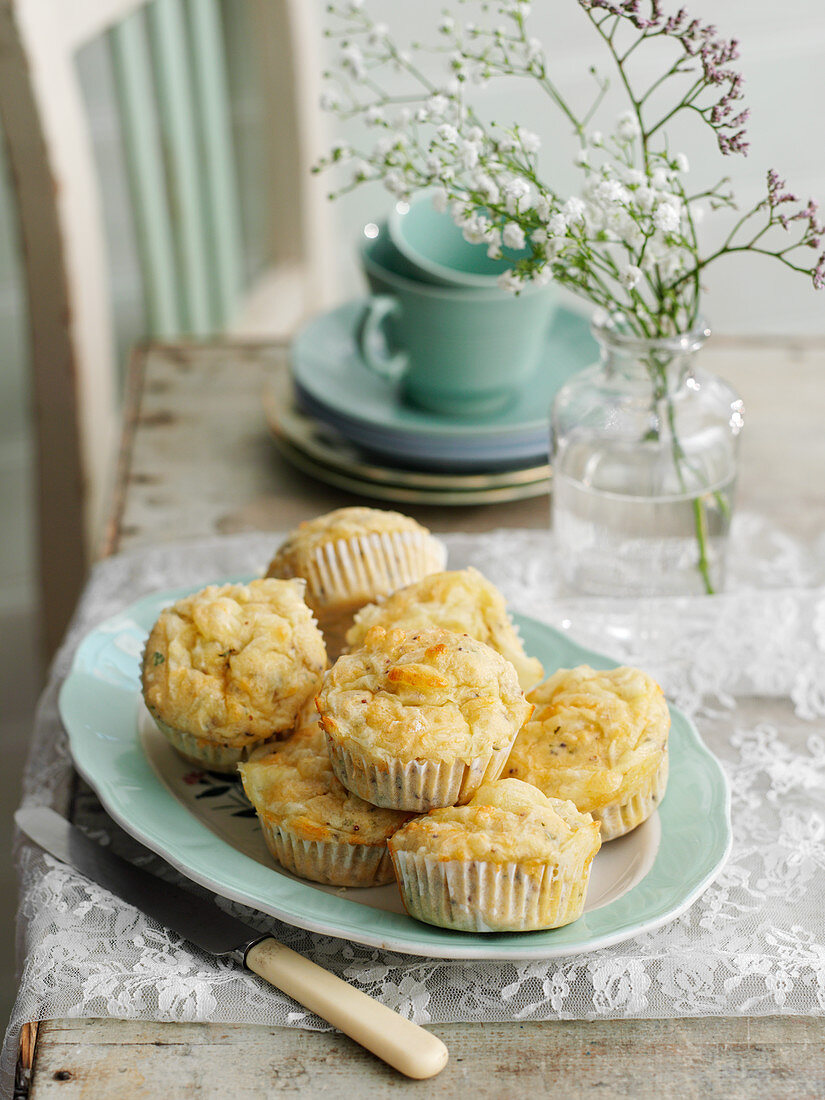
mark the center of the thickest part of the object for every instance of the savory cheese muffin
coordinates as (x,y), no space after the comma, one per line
(352,556)
(420,720)
(598,738)
(230,667)
(512,860)
(312,825)
(461,600)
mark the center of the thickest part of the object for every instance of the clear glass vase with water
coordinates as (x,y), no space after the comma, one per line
(644,448)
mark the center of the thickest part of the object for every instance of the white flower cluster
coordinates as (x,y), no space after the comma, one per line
(630,215)
(627,240)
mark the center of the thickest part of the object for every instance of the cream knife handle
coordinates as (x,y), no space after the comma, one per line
(399,1042)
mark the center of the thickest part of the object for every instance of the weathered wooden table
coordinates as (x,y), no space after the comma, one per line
(197,459)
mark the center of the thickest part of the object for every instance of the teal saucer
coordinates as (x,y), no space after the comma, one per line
(334,386)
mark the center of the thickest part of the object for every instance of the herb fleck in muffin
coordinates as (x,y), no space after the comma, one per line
(511,860)
(598,738)
(352,556)
(230,667)
(463,601)
(313,825)
(420,720)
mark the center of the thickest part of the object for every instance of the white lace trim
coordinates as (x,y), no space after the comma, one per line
(750,665)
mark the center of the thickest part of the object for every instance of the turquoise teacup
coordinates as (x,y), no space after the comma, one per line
(433,250)
(456,352)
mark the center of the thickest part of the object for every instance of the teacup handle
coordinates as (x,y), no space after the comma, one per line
(378,310)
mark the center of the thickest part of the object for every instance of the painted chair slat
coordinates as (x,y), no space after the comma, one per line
(167,31)
(212,98)
(132,66)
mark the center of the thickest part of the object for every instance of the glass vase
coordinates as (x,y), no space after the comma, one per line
(644,449)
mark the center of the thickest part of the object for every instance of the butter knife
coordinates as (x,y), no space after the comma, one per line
(399,1042)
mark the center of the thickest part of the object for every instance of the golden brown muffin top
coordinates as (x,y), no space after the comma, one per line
(293,784)
(428,695)
(505,821)
(594,735)
(234,664)
(460,600)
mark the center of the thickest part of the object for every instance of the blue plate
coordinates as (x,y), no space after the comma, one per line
(202,824)
(334,386)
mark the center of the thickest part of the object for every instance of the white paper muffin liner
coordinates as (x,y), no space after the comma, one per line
(344,575)
(370,565)
(333,862)
(480,896)
(620,818)
(211,755)
(418,785)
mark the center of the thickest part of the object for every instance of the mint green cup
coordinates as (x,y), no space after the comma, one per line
(433,250)
(455,352)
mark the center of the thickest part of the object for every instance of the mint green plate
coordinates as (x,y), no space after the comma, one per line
(333,385)
(202,825)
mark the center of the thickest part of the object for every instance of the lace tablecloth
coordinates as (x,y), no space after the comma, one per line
(749,666)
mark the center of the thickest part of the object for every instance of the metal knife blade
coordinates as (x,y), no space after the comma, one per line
(400,1042)
(199,920)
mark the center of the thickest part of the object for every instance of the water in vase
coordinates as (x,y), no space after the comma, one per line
(628,524)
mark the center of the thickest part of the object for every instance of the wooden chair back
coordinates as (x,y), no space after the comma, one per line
(173,105)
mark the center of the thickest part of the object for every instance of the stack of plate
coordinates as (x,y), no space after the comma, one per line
(347,426)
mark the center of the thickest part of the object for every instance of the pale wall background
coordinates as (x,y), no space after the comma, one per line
(783,56)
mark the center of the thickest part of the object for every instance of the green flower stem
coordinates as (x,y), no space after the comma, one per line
(701,520)
(700,517)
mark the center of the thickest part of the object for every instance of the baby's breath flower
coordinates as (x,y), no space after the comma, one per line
(543,207)
(475,229)
(660,179)
(628,127)
(352,61)
(513,236)
(510,280)
(440,199)
(610,191)
(645,198)
(437,106)
(667,217)
(573,210)
(487,186)
(469,154)
(630,275)
(530,142)
(681,163)
(515,190)
(395,183)
(633,177)
(448,133)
